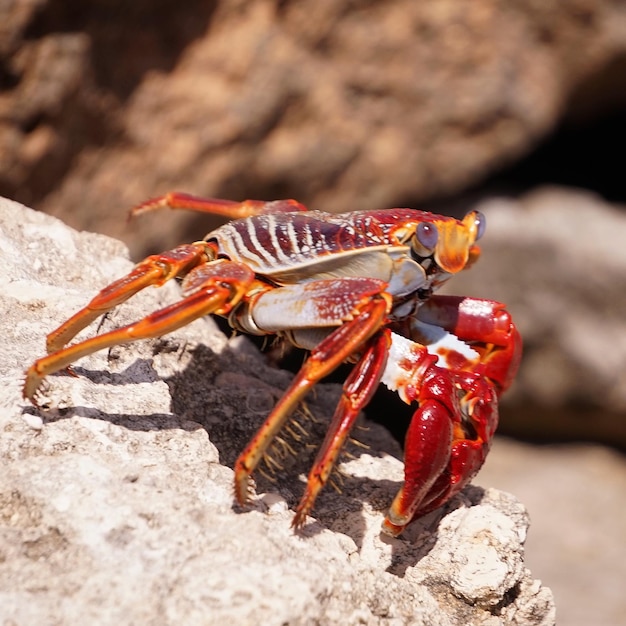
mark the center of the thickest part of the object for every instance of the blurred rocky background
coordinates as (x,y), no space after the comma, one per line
(518,109)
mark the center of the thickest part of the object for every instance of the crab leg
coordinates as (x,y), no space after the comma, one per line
(154,270)
(211,288)
(339,345)
(216,206)
(357,392)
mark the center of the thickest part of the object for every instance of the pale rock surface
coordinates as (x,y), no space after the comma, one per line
(116,503)
(574,494)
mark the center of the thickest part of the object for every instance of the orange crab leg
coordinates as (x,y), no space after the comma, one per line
(154,270)
(216,289)
(216,206)
(357,392)
(339,345)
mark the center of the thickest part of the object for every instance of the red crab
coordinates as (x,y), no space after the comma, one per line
(355,287)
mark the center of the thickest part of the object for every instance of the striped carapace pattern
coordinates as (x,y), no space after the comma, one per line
(273,243)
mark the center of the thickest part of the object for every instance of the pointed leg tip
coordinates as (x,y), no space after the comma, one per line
(31,388)
(245,492)
(390,529)
(300,517)
(146,206)
(298,521)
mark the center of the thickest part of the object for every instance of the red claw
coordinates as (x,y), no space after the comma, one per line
(451,431)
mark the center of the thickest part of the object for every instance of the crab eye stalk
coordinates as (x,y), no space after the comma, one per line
(480,224)
(425,239)
(427,235)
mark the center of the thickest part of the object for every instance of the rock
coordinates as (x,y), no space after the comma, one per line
(574,496)
(116,502)
(343,105)
(556,257)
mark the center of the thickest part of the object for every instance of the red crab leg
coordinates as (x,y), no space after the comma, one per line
(448,438)
(340,344)
(357,392)
(154,270)
(211,288)
(216,206)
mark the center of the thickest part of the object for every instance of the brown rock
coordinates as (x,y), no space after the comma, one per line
(116,503)
(343,105)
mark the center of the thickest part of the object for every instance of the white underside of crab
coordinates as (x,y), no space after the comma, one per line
(405,356)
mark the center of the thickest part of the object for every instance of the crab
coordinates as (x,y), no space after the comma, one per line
(355,287)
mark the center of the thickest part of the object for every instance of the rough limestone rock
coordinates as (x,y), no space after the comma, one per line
(116,502)
(556,256)
(341,104)
(574,495)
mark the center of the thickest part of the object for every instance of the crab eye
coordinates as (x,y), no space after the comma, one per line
(480,221)
(427,235)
